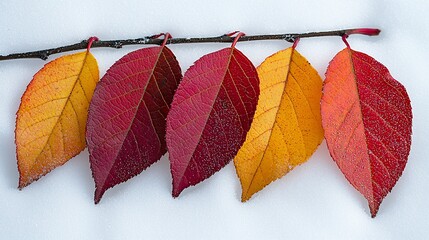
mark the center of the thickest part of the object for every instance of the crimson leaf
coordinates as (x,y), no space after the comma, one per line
(126,122)
(210,115)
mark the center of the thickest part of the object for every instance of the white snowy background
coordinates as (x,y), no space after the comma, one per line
(314,201)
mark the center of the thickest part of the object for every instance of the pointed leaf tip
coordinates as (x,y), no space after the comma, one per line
(176,192)
(50,122)
(367,118)
(98,194)
(210,115)
(126,123)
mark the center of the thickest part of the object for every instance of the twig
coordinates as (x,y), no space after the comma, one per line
(290,37)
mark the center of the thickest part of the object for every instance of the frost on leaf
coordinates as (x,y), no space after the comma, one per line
(366,115)
(210,116)
(50,122)
(287,127)
(126,123)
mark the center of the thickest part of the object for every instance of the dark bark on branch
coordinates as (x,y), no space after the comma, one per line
(44,54)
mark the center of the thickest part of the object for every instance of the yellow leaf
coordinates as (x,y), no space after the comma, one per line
(287,126)
(51,120)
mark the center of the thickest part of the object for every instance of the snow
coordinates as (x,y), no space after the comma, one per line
(314,201)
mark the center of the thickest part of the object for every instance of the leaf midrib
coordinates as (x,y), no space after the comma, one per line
(350,52)
(274,122)
(132,122)
(61,114)
(205,122)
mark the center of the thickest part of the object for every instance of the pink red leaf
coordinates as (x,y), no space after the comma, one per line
(210,115)
(366,115)
(126,123)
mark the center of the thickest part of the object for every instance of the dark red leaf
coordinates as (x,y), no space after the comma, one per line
(210,115)
(366,115)
(126,122)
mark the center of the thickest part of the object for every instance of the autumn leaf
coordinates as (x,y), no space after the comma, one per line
(210,115)
(366,115)
(126,123)
(287,126)
(50,122)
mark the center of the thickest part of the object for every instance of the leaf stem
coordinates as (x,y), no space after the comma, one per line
(289,37)
(237,38)
(295,43)
(90,41)
(344,37)
(166,37)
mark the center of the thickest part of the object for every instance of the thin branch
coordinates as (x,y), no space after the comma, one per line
(290,37)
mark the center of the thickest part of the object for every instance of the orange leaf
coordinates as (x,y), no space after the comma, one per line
(367,119)
(287,126)
(51,120)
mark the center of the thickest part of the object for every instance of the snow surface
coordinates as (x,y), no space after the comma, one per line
(312,202)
